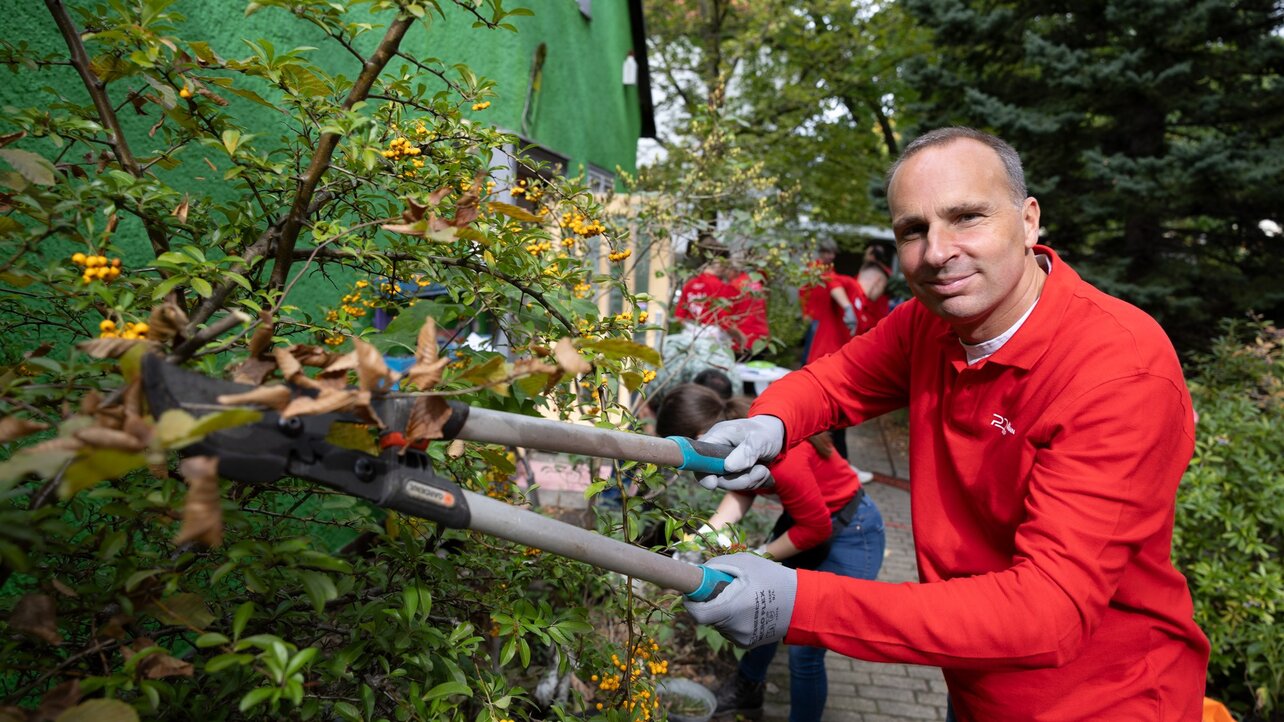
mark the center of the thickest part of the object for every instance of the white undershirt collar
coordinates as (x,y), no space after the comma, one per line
(978,351)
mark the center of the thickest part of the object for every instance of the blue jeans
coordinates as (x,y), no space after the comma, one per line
(857,552)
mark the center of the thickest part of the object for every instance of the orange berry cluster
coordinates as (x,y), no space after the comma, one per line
(581,225)
(539,247)
(96,268)
(648,376)
(644,662)
(399,147)
(617,256)
(582,290)
(532,192)
(133,331)
(185,92)
(482,105)
(643,316)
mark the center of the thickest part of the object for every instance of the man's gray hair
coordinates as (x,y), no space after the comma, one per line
(941,136)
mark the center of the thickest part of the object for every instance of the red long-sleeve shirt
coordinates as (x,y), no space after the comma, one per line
(705,298)
(1043,485)
(811,488)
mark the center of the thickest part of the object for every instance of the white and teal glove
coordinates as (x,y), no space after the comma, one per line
(756,607)
(757,439)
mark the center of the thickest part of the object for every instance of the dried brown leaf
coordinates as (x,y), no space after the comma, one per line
(13,714)
(426,376)
(289,365)
(36,615)
(342,364)
(373,374)
(104,438)
(139,427)
(428,416)
(214,97)
(569,358)
(426,349)
(261,340)
(413,212)
(109,347)
(522,367)
(61,443)
(456,449)
(273,397)
(362,409)
(417,229)
(254,371)
(166,321)
(467,208)
(311,355)
(328,401)
(90,402)
(202,509)
(180,212)
(13,427)
(63,589)
(157,665)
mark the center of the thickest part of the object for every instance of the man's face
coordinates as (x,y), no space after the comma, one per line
(963,243)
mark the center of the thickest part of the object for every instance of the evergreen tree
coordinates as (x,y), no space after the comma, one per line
(1151,131)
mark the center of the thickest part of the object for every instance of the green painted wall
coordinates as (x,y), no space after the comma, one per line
(583,110)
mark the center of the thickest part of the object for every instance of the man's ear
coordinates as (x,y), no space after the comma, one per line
(1030,220)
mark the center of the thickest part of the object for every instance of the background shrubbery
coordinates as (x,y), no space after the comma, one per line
(1230,515)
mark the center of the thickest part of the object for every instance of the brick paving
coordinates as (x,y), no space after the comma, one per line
(865,691)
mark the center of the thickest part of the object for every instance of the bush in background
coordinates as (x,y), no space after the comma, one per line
(1230,516)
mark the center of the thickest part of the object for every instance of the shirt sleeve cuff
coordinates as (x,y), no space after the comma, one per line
(803,618)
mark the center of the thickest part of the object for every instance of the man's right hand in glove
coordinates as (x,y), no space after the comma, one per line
(755,608)
(757,439)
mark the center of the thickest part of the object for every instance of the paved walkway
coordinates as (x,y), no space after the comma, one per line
(864,691)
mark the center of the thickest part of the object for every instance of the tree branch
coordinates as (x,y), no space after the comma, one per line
(293,222)
(106,113)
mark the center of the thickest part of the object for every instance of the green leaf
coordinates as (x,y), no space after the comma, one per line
(99,710)
(515,212)
(617,348)
(319,588)
(242,616)
(300,660)
(256,697)
(211,639)
(202,287)
(177,428)
(43,464)
(445,689)
(231,139)
(33,167)
(95,466)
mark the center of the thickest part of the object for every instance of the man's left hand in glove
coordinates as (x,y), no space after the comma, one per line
(756,607)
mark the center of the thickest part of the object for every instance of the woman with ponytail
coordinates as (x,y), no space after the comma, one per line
(829,524)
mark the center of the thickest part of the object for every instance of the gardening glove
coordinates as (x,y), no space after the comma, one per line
(849,319)
(757,438)
(755,608)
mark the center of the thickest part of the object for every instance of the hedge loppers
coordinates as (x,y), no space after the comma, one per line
(403,479)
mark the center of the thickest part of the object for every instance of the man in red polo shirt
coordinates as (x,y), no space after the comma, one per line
(1050,425)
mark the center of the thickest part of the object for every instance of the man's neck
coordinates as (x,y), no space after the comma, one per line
(1002,321)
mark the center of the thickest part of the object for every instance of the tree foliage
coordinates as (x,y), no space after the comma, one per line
(153,209)
(1151,133)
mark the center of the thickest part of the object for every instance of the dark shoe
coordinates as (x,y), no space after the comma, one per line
(739,698)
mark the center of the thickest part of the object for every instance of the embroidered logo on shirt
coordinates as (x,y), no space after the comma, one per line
(1002,424)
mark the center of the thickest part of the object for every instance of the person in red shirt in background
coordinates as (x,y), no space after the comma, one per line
(748,314)
(847,308)
(815,299)
(829,523)
(706,298)
(1049,428)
